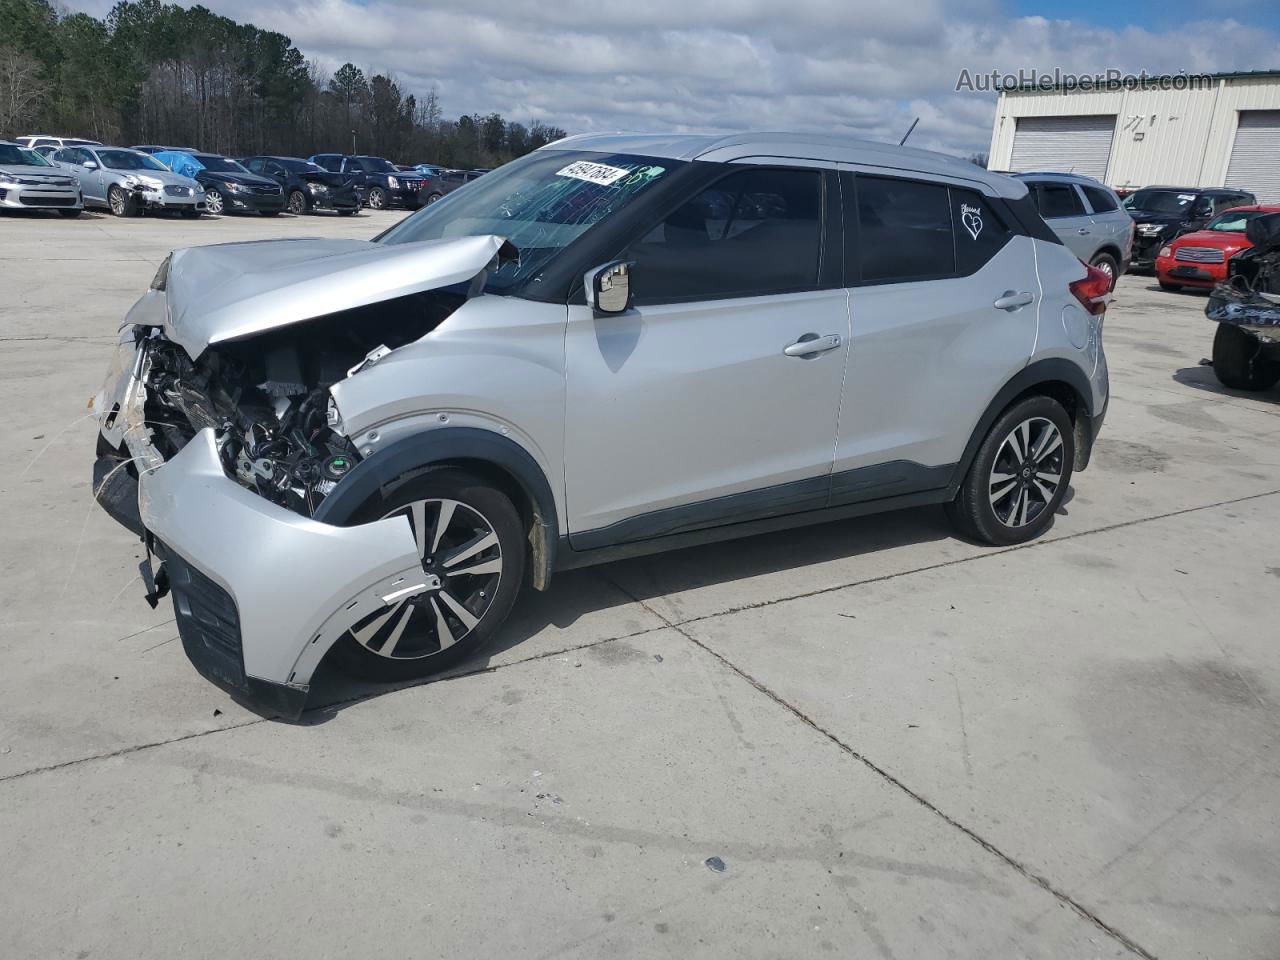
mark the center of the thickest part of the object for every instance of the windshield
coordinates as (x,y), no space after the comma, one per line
(1159,201)
(128,160)
(219,164)
(21,155)
(377,165)
(1234,221)
(541,203)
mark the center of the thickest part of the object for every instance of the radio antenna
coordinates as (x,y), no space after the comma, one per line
(908,133)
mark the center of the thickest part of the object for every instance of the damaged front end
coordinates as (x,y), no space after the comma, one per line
(1250,297)
(219,439)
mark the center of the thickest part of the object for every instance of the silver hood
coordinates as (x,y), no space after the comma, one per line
(29,171)
(233,290)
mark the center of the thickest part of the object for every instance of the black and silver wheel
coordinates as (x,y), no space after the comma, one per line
(1238,362)
(121,203)
(214,201)
(1019,475)
(433,198)
(297,202)
(1107,264)
(377,198)
(471,544)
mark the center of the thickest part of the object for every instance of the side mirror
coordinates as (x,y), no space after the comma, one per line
(90,165)
(610,288)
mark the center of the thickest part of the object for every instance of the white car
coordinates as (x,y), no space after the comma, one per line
(614,345)
(30,182)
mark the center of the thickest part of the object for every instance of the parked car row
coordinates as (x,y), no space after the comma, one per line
(70,174)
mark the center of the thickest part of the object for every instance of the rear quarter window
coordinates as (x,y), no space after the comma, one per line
(1100,200)
(980,231)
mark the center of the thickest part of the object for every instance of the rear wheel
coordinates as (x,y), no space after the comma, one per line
(297,202)
(1107,264)
(1019,475)
(121,203)
(472,548)
(1238,361)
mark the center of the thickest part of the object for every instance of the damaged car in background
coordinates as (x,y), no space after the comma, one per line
(359,452)
(1246,308)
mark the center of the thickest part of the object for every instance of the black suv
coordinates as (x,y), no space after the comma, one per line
(1162,213)
(381,183)
(308,187)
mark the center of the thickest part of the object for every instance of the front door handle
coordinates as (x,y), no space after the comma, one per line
(810,345)
(1083,231)
(1013,300)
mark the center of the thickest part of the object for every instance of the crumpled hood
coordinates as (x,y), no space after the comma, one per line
(233,290)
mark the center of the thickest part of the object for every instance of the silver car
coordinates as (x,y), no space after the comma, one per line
(127,182)
(615,345)
(1087,216)
(30,182)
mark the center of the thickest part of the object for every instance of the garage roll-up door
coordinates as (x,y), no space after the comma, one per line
(1255,155)
(1063,145)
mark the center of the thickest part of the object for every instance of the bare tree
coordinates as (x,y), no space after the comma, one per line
(22,88)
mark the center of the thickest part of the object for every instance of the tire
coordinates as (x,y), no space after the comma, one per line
(1237,360)
(1170,287)
(1107,264)
(69,214)
(215,201)
(121,203)
(432,198)
(298,203)
(377,199)
(1029,444)
(418,645)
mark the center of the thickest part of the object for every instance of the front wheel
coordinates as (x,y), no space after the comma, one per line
(1107,264)
(122,204)
(1238,363)
(472,547)
(297,202)
(433,198)
(214,201)
(1019,475)
(377,199)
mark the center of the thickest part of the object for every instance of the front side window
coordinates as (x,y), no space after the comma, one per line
(904,230)
(752,233)
(1058,200)
(129,160)
(1233,221)
(255,165)
(541,203)
(1100,200)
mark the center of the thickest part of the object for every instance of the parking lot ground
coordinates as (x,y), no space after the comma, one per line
(897,744)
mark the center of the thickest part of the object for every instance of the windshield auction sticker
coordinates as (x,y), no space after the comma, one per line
(593,172)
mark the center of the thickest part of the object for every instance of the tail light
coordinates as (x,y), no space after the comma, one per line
(1093,290)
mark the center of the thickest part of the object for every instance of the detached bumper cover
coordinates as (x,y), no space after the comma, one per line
(245,572)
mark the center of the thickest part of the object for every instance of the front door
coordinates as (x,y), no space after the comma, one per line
(702,405)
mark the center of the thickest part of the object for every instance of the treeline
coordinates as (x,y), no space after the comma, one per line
(161,73)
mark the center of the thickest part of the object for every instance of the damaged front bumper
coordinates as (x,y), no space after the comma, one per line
(260,593)
(1255,313)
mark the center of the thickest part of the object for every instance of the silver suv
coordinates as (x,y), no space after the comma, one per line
(1087,216)
(615,345)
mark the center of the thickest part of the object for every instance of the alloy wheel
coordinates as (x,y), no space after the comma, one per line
(377,199)
(213,200)
(1027,472)
(116,199)
(462,560)
(297,203)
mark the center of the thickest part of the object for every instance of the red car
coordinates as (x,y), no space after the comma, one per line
(1199,259)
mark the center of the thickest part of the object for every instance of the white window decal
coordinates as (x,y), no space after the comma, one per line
(593,172)
(971,217)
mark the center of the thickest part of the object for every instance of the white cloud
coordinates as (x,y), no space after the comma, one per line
(857,66)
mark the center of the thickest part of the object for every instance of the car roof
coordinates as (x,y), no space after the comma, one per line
(1230,190)
(828,148)
(1079,178)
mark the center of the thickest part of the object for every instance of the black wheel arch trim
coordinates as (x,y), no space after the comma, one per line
(1042,372)
(451,444)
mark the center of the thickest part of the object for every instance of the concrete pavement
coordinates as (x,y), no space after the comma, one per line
(898,744)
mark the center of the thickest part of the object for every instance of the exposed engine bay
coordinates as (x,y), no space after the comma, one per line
(267,396)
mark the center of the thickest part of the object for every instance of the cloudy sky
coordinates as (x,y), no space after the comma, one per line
(857,66)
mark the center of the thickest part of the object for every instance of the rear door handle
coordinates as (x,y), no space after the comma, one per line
(1012,300)
(810,345)
(1083,231)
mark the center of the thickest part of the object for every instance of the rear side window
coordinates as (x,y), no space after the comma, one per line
(904,230)
(1100,200)
(980,231)
(1058,200)
(752,233)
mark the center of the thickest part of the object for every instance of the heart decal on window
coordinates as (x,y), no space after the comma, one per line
(971,217)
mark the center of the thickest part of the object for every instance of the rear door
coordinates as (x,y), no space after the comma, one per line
(944,301)
(696,407)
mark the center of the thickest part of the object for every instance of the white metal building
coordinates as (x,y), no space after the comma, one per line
(1224,134)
